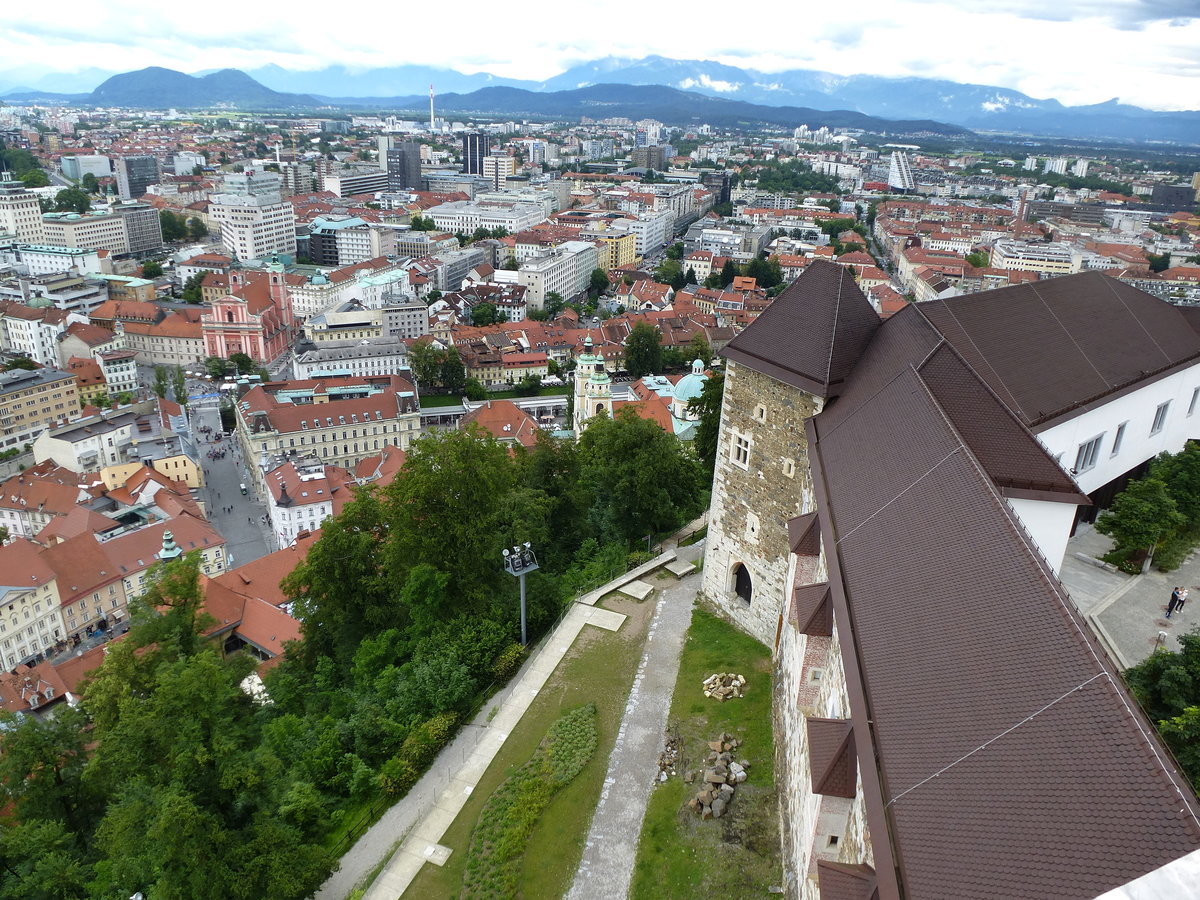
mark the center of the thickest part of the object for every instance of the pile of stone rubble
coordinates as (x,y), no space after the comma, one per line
(669,758)
(724,685)
(719,778)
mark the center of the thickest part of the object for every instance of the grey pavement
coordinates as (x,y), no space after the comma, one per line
(606,868)
(1128,612)
(246,537)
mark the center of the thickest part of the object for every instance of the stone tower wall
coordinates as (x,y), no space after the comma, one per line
(752,504)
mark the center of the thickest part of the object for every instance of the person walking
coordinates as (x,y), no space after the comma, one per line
(1183,595)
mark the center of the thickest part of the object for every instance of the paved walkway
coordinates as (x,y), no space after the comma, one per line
(606,869)
(1128,612)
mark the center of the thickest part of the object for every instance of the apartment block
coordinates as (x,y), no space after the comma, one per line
(30,401)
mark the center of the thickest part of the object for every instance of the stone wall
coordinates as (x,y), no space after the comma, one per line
(752,503)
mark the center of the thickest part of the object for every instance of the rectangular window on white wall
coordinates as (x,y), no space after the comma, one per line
(1160,417)
(1118,437)
(1087,455)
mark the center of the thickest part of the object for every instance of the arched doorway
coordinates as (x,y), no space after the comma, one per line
(742,585)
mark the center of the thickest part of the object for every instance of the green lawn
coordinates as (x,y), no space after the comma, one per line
(599,669)
(736,856)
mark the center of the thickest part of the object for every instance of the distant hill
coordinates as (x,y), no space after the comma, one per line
(978,107)
(157,88)
(669,105)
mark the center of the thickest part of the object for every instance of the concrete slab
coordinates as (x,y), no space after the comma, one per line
(680,568)
(606,618)
(638,590)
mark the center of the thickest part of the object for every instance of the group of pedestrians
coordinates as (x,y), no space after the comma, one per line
(1178,599)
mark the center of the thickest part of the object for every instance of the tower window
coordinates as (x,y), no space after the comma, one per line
(740,451)
(789,468)
(760,413)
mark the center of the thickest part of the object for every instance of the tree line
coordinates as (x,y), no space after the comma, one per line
(169,779)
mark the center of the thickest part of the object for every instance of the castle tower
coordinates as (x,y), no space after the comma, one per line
(777,378)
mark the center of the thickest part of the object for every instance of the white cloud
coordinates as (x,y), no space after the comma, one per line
(713,84)
(1144,51)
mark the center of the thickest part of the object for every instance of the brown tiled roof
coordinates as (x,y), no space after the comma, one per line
(804,535)
(817,355)
(1049,347)
(839,881)
(831,756)
(505,421)
(996,739)
(261,578)
(811,611)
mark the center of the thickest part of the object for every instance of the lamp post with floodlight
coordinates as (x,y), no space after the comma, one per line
(519,561)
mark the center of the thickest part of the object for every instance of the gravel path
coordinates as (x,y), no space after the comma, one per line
(606,869)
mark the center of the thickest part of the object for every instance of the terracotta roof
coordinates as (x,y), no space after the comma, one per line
(92,335)
(838,323)
(261,578)
(505,421)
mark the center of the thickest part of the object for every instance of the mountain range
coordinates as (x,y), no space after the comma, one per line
(160,88)
(968,106)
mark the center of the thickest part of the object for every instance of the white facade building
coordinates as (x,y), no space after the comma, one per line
(20,212)
(466,216)
(566,271)
(254,230)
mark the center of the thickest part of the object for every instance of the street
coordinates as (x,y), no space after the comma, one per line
(236,517)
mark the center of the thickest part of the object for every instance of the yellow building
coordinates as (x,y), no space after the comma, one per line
(31,400)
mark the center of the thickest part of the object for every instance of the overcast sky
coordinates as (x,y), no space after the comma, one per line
(1145,52)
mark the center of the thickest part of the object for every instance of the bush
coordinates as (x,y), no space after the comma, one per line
(508,661)
(498,843)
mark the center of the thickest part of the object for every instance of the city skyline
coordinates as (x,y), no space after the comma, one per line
(1144,52)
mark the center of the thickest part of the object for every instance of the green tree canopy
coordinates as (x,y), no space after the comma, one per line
(643,350)
(1167,685)
(708,407)
(641,479)
(599,282)
(89,183)
(174,227)
(72,199)
(162,382)
(1141,515)
(483,314)
(192,288)
(152,269)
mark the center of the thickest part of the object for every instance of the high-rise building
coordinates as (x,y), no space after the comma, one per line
(651,157)
(475,147)
(498,166)
(143,226)
(135,174)
(255,222)
(404,167)
(719,183)
(899,173)
(20,212)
